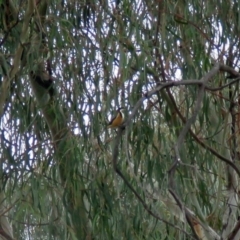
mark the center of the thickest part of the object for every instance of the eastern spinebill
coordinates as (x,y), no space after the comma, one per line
(117,120)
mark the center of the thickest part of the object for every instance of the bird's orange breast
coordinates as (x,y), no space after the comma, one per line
(117,121)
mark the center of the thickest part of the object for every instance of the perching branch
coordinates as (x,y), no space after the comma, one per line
(187,126)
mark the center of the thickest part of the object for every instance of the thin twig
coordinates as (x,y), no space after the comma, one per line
(224,86)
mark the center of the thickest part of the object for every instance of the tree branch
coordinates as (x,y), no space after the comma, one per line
(182,134)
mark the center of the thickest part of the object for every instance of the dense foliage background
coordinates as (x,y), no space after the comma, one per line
(66,66)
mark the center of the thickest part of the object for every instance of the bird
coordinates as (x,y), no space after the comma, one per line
(117,120)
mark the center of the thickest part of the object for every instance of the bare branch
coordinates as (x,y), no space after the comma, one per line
(224,86)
